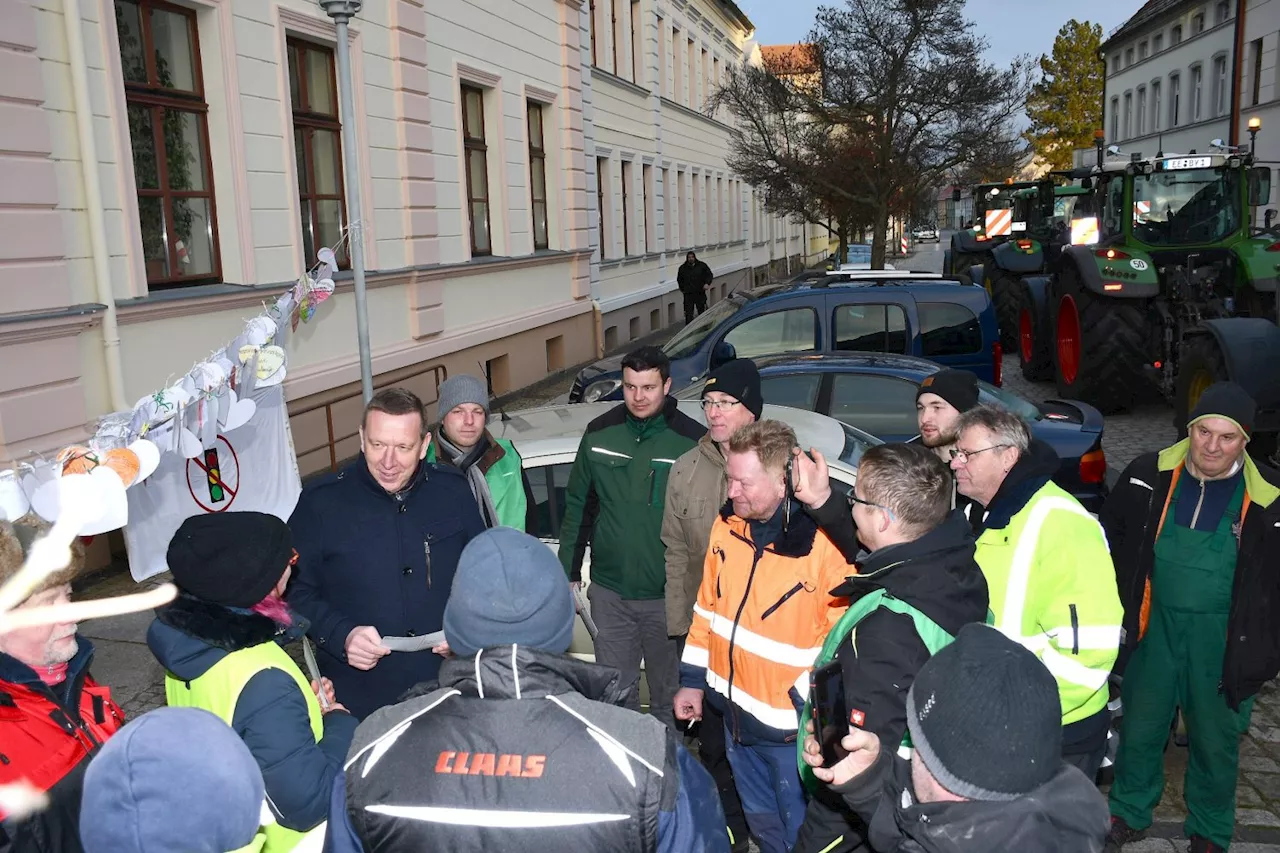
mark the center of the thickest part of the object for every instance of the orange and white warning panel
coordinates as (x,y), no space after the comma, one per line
(999,223)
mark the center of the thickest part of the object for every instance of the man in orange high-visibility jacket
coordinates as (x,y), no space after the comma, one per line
(763,610)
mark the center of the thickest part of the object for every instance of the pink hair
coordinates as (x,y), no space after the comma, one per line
(274,608)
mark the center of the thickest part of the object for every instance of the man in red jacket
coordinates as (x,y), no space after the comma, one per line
(53,716)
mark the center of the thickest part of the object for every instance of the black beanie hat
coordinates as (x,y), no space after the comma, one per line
(957,387)
(740,379)
(1226,400)
(230,558)
(985,717)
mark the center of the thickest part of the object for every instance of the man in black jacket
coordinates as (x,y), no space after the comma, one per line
(693,279)
(1194,533)
(916,586)
(986,775)
(519,746)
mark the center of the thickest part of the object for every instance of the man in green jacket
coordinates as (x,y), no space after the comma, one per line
(614,504)
(492,465)
(1049,571)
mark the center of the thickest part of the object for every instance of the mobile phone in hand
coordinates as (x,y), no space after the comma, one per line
(830,712)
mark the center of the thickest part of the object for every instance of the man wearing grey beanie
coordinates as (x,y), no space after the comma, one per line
(517,740)
(493,468)
(986,774)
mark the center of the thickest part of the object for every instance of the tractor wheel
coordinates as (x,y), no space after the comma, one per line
(1004,295)
(1098,346)
(1200,364)
(1034,349)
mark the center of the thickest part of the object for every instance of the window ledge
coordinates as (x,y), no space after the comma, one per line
(44,325)
(635,88)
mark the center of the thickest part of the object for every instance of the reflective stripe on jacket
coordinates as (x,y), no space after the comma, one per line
(1053,589)
(762,615)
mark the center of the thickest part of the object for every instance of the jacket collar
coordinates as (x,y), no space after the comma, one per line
(485,454)
(15,671)
(227,628)
(1259,487)
(794,538)
(524,672)
(360,470)
(1028,476)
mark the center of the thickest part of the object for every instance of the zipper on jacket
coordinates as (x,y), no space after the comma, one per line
(1195,516)
(1075,630)
(733,632)
(426,548)
(653,484)
(785,598)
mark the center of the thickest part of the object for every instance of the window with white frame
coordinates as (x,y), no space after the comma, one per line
(1156,116)
(1175,35)
(602,180)
(648,210)
(1142,110)
(1175,99)
(1142,50)
(1115,119)
(1220,93)
(1128,115)
(536,116)
(1157,43)
(628,176)
(699,213)
(1197,23)
(1221,12)
(1197,88)
(1255,81)
(476,164)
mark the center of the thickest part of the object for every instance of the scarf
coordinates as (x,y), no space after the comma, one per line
(466,462)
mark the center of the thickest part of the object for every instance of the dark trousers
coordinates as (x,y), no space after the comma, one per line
(632,631)
(695,302)
(1084,743)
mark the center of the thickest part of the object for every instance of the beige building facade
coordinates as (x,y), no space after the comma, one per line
(167,167)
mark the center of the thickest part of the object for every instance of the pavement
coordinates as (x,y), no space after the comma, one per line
(123,661)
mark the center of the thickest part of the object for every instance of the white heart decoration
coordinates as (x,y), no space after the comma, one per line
(270,366)
(324,285)
(148,458)
(259,330)
(39,475)
(45,499)
(189,444)
(14,502)
(239,412)
(99,496)
(326,256)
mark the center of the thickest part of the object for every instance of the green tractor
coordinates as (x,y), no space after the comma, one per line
(1176,291)
(971,247)
(1041,218)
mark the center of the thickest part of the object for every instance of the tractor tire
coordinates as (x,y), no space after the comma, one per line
(1004,296)
(1035,350)
(1099,346)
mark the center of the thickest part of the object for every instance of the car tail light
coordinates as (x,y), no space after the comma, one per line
(1093,466)
(1274,247)
(997,364)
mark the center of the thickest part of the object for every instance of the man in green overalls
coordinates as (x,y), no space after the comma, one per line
(1188,529)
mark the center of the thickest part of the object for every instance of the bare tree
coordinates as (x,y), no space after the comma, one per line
(897,98)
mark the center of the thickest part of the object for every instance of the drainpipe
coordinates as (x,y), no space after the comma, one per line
(1234,131)
(93,203)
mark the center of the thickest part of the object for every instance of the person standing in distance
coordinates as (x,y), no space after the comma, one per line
(613,505)
(693,279)
(696,491)
(378,543)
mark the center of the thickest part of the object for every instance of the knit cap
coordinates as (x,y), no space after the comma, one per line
(460,389)
(985,717)
(957,387)
(740,379)
(173,779)
(230,558)
(1226,400)
(509,589)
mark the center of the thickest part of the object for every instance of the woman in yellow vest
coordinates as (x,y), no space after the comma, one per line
(221,644)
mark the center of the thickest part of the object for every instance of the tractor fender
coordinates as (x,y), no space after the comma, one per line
(1040,287)
(1008,257)
(946,262)
(1250,347)
(976,273)
(967,241)
(1086,263)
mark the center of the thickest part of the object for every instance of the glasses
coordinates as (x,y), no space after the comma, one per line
(963,456)
(720,405)
(854,499)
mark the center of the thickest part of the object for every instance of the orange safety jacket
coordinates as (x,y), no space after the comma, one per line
(760,620)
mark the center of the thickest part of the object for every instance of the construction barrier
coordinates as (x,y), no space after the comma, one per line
(999,223)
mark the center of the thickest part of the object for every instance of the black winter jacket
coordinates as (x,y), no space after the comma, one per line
(1065,815)
(189,636)
(517,749)
(1131,517)
(372,558)
(692,278)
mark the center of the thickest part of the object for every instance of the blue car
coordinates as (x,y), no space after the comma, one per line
(889,311)
(877,393)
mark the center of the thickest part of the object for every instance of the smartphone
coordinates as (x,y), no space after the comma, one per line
(830,713)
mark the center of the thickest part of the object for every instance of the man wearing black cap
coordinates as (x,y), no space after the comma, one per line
(986,773)
(696,490)
(519,746)
(1194,530)
(940,401)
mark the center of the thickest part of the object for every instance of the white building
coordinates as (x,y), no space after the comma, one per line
(1169,77)
(1260,81)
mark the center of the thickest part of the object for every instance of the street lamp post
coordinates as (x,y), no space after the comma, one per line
(342,11)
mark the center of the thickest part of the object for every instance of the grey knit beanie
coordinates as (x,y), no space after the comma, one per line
(460,389)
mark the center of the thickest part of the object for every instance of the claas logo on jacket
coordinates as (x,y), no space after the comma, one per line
(490,764)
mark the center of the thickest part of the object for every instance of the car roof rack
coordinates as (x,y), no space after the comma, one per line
(882,278)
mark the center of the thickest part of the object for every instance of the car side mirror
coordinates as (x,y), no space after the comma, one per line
(723,353)
(1259,185)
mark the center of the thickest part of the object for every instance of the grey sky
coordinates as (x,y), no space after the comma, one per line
(1011,27)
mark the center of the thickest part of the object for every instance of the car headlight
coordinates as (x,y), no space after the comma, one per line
(596,390)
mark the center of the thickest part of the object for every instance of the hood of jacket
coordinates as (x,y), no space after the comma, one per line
(523,672)
(936,574)
(1065,815)
(189,636)
(1028,476)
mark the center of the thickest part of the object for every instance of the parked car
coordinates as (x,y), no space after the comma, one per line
(877,393)
(894,311)
(925,234)
(547,439)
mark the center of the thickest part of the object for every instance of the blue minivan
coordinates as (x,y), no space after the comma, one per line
(890,311)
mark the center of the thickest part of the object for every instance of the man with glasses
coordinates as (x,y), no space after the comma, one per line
(696,490)
(916,585)
(1048,569)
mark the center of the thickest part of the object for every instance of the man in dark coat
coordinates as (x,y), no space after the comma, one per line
(379,542)
(519,746)
(693,278)
(986,773)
